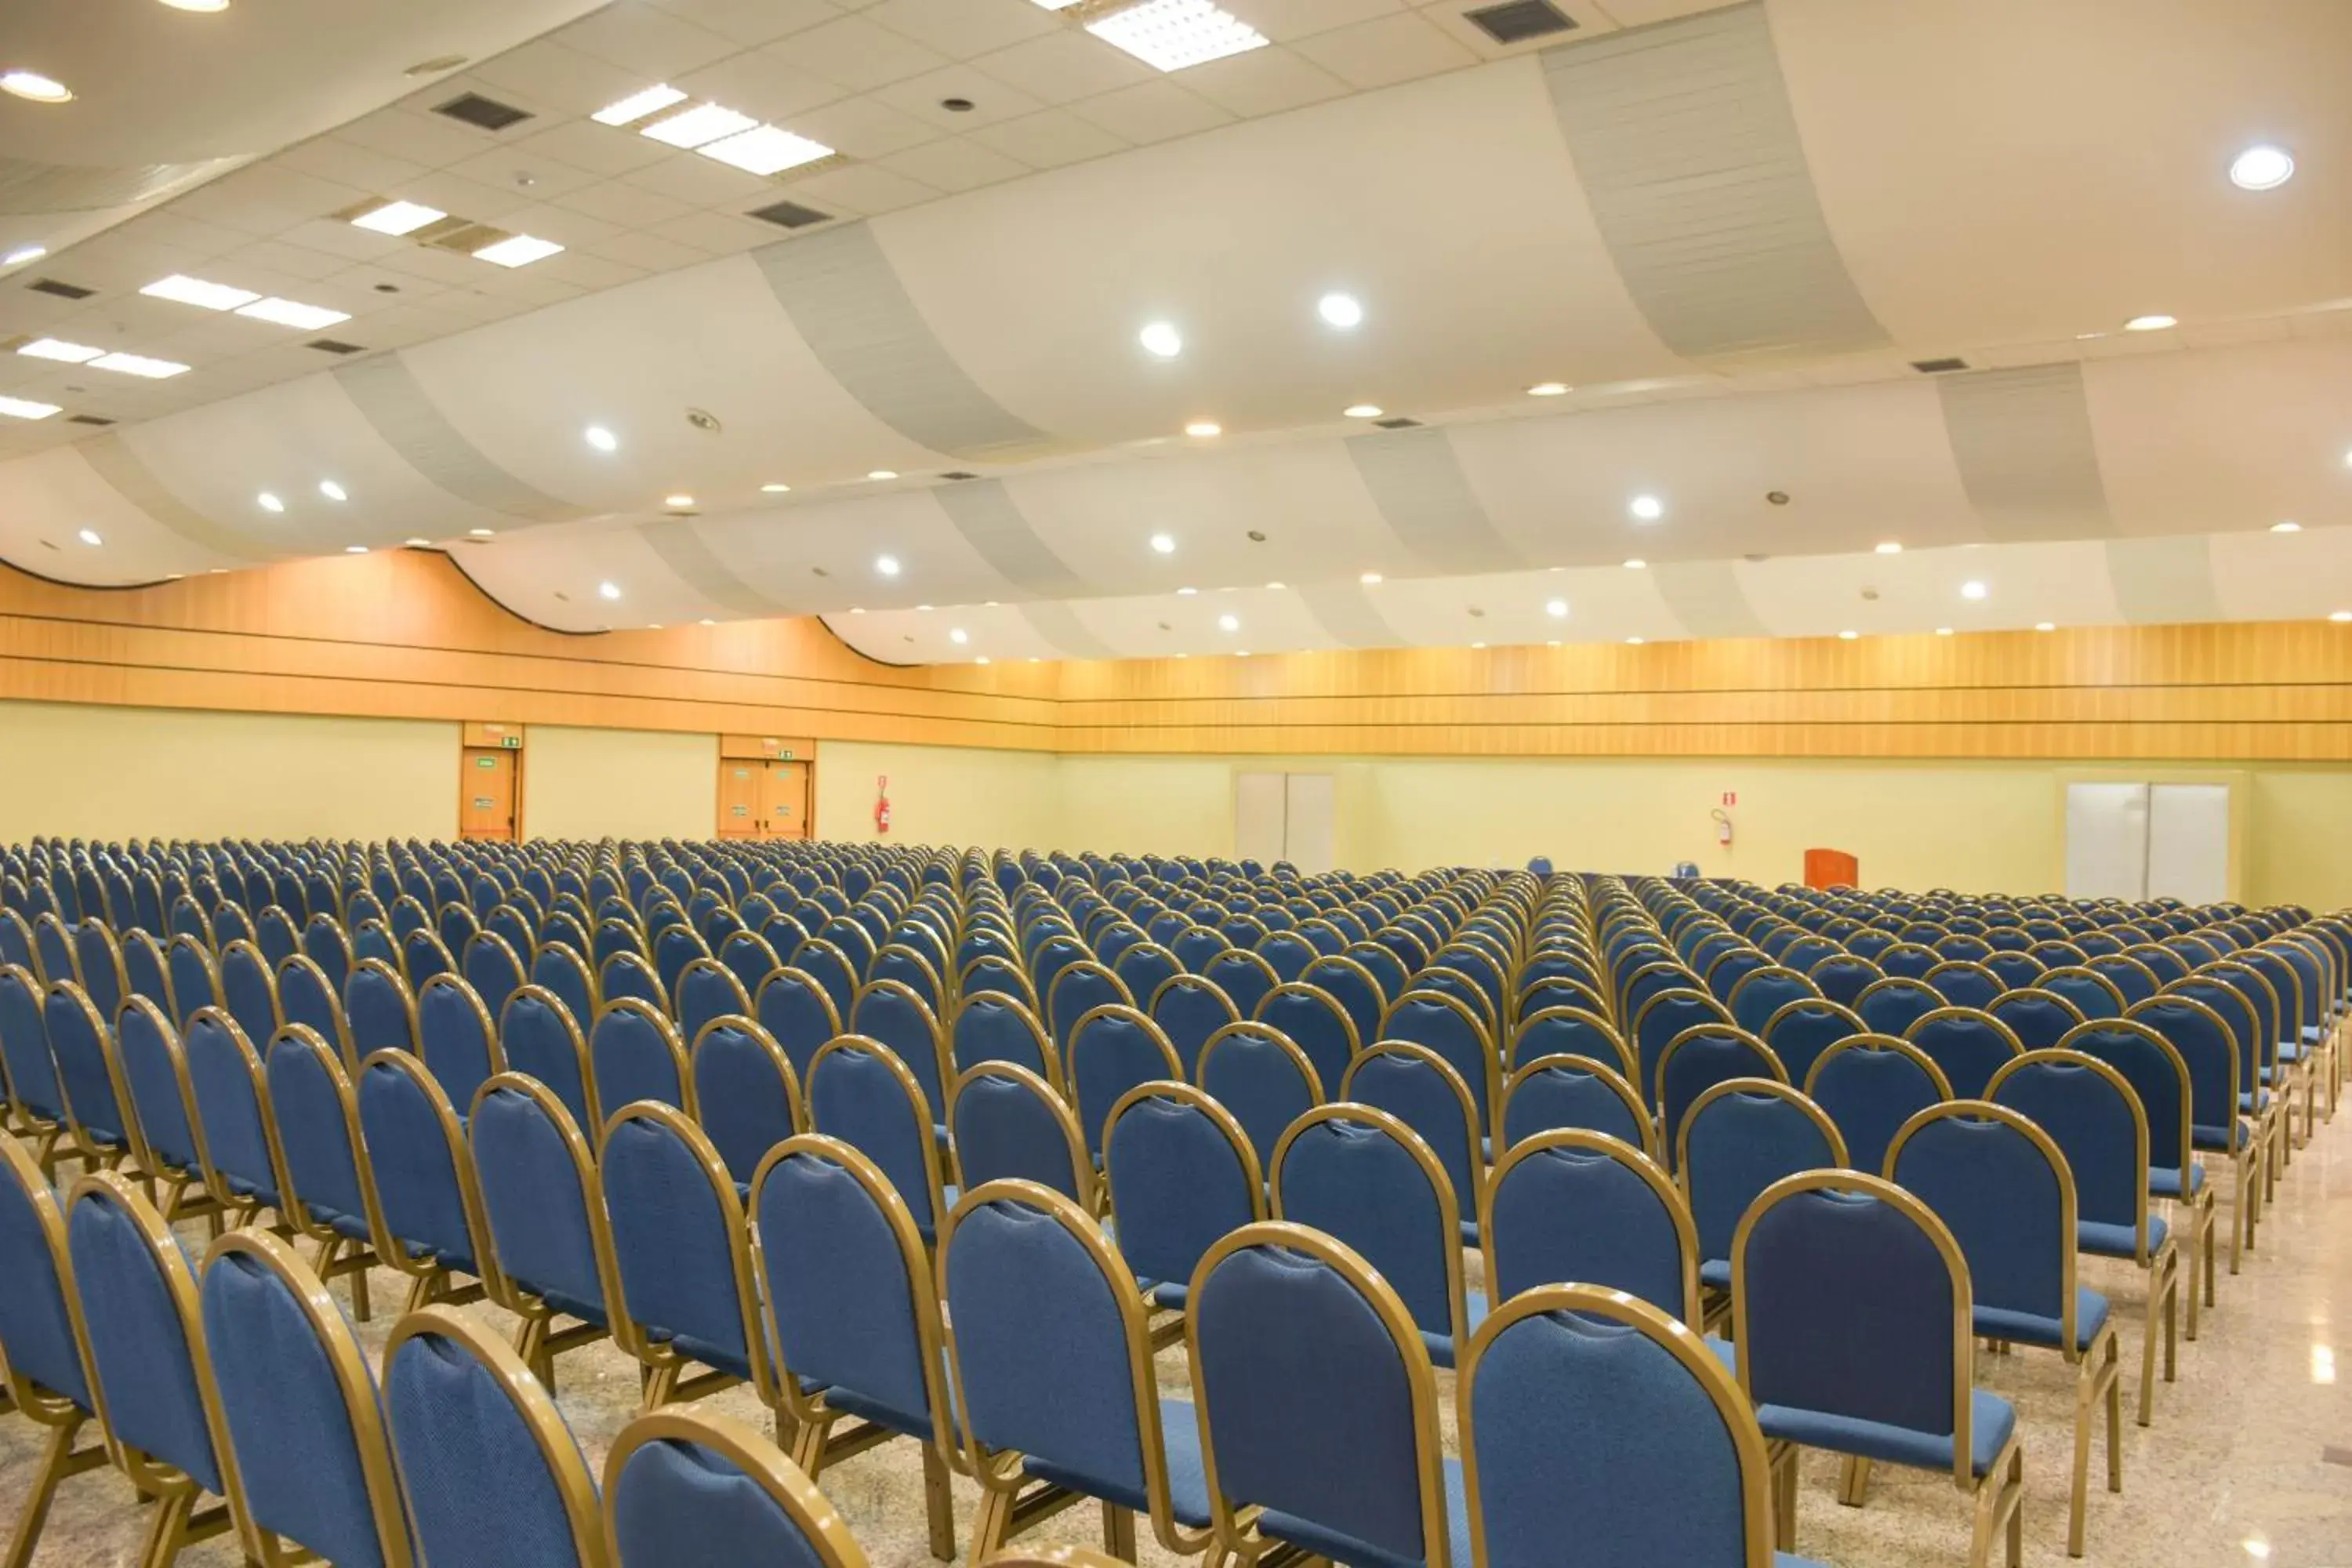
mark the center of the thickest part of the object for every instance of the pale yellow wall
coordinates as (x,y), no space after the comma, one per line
(618,784)
(2301,841)
(939,795)
(122,773)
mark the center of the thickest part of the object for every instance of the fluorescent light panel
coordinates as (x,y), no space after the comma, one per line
(26,408)
(140,365)
(703,122)
(765,150)
(1171,35)
(58,349)
(196,291)
(637,105)
(293,313)
(398,217)
(520,250)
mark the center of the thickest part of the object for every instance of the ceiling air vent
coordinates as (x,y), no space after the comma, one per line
(62,291)
(1398,421)
(333,346)
(87,419)
(487,112)
(788,214)
(464,239)
(1939,366)
(954,474)
(1519,21)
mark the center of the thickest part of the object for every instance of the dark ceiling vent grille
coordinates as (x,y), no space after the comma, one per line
(1519,21)
(62,291)
(334,346)
(1939,366)
(954,474)
(790,215)
(87,419)
(487,112)
(1398,421)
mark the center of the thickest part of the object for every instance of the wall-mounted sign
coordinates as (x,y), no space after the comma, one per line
(486,761)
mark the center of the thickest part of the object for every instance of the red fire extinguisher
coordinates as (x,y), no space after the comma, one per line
(882,803)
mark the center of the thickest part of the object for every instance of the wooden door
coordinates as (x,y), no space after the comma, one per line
(742,786)
(785,800)
(487,795)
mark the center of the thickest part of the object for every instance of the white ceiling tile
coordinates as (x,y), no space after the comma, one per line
(111,265)
(721,233)
(532,175)
(558,79)
(990,99)
(602,149)
(650,251)
(753,22)
(348,163)
(641,38)
(335,237)
(864,128)
(701,181)
(857,54)
(458,273)
(1283,20)
(1385,50)
(1641,13)
(561,224)
(406,325)
(955,164)
(167,227)
(761,86)
(962,28)
(1064,65)
(861,188)
(427,140)
(1049,140)
(287,261)
(1152,111)
(629,206)
(1263,82)
(366,282)
(461,197)
(584,270)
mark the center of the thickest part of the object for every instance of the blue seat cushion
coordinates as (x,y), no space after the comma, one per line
(2106,1241)
(2313,1034)
(1162,1294)
(1349,1552)
(1188,1479)
(2217,1139)
(1714,1273)
(2032,1329)
(1991,1422)
(2164,1181)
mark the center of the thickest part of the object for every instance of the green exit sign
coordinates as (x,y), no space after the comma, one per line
(512,742)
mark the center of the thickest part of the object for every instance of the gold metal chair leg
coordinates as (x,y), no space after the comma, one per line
(164,1537)
(2085,1414)
(58,1461)
(939,1503)
(1853,1480)
(661,1383)
(988,1525)
(1118,1532)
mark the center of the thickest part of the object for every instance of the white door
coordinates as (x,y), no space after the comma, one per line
(2188,842)
(1308,820)
(2106,840)
(1261,810)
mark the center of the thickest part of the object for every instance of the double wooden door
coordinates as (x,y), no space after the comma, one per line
(761,799)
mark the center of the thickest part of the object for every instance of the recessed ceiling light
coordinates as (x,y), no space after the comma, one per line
(1556,609)
(1972,590)
(958,636)
(2339,617)
(40,88)
(1274,586)
(1548,389)
(1478,645)
(1848,636)
(140,365)
(856,609)
(609,590)
(1370,579)
(1205,428)
(2287,526)
(1890,547)
(1649,509)
(58,349)
(23,254)
(693,127)
(26,408)
(637,105)
(1553,642)
(1173,34)
(189,291)
(2263,168)
(520,250)
(1362,411)
(1636,563)
(886,564)
(1241,653)
(925,608)
(603,440)
(355,550)
(2151,323)
(398,217)
(765,150)
(1163,543)
(678,502)
(2045,625)
(774,490)
(269,502)
(982,659)
(89,536)
(417,544)
(1229,623)
(882,474)
(1186,593)
(332,491)
(1342,311)
(204,6)
(293,313)
(1637,642)
(1943,631)
(1161,338)
(481,532)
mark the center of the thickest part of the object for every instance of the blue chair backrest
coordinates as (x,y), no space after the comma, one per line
(154,1074)
(1576,1206)
(37,1337)
(1661,1021)
(1870,1089)
(1739,1142)
(2208,1046)
(1142,968)
(379,1010)
(422,955)
(706,989)
(1454,1033)
(993,1026)
(137,1307)
(1765,992)
(24,1046)
(534,1173)
(224,1073)
(101,966)
(2093,995)
(678,1240)
(1180,1177)
(1112,1050)
(1356,986)
(2039,1018)
(794,1007)
(312,1107)
(1844,977)
(1423,1091)
(1009,1124)
(1969,1044)
(860,1093)
(1897,1002)
(2007,1199)
(1696,1062)
(195,981)
(1189,1010)
(2157,1075)
(557,968)
(457,1039)
(492,969)
(674,948)
(307,996)
(634,1054)
(1317,1023)
(1558,1093)
(1364,1177)
(888,1012)
(419,1162)
(538,1037)
(79,1041)
(2097,1122)
(1262,1078)
(1966,983)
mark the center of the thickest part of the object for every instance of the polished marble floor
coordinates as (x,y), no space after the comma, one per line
(2250,1460)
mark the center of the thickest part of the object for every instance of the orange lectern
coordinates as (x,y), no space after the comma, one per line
(1831,868)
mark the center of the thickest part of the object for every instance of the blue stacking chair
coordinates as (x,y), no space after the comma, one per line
(457,1038)
(891,1012)
(144,971)
(299,1408)
(36,1096)
(751,959)
(493,969)
(195,977)
(538,1036)
(43,1354)
(2003,1189)
(244,1167)
(745,1093)
(1557,1093)
(675,947)
(1077,990)
(1852,1317)
(434,1222)
(1189,1010)
(706,989)
(2133,981)
(1053,1377)
(422,955)
(992,1026)
(1363,1176)
(1242,976)
(550,1242)
(634,1053)
(1661,1020)
(1318,1406)
(308,995)
(1893,1004)
(1671,1465)
(2089,1110)
(798,1012)
(154,1385)
(689,1290)
(97,963)
(1110,1051)
(1179,1172)
(1741,1136)
(684,1489)
(1315,1021)
(1447,1025)
(2014,968)
(1574,1031)
(490,1472)
(1696,1060)
(1421,1089)
(1572,1204)
(1347,978)
(2039,1018)
(1142,967)
(862,1093)
(2159,1077)
(1967,1044)
(329,1191)
(1261,1075)
(2223,1119)
(1906,960)
(1010,1125)
(558,967)
(631,974)
(1799,1032)
(379,1010)
(1761,993)
(2093,995)
(98,1126)
(1965,983)
(1844,977)
(164,1104)
(1871,1085)
(853,1312)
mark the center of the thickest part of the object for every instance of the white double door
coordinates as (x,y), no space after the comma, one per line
(2147,841)
(1286,816)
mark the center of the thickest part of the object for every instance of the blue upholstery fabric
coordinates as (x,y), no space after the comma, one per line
(1356,990)
(1893,1007)
(94,945)
(423,956)
(537,1212)
(1188,1013)
(2000,1197)
(793,1007)
(1696,1064)
(629,974)
(414,1167)
(1317,1025)
(1657,1024)
(305,996)
(377,1009)
(681,1505)
(1869,1093)
(1004,1130)
(194,982)
(746,1104)
(1761,995)
(708,990)
(1234,973)
(2094,1127)
(673,1241)
(539,1038)
(1740,1144)
(36,1333)
(481,1493)
(2091,1313)
(25,1042)
(456,1045)
(2090,998)
(2038,1018)
(295,1447)
(146,1372)
(492,969)
(1110,1056)
(1843,978)
(562,971)
(1597,1449)
(838,1285)
(993,1027)
(1965,986)
(1177,1184)
(320,1164)
(1359,1183)
(854,1096)
(1799,1036)
(632,1058)
(1454,1037)
(221,1070)
(80,1047)
(151,1072)
(1416,1093)
(903,1024)
(1969,1048)
(1561,1097)
(2157,1080)
(1143,970)
(1308,1406)
(1578,1214)
(1565,1031)
(1261,1084)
